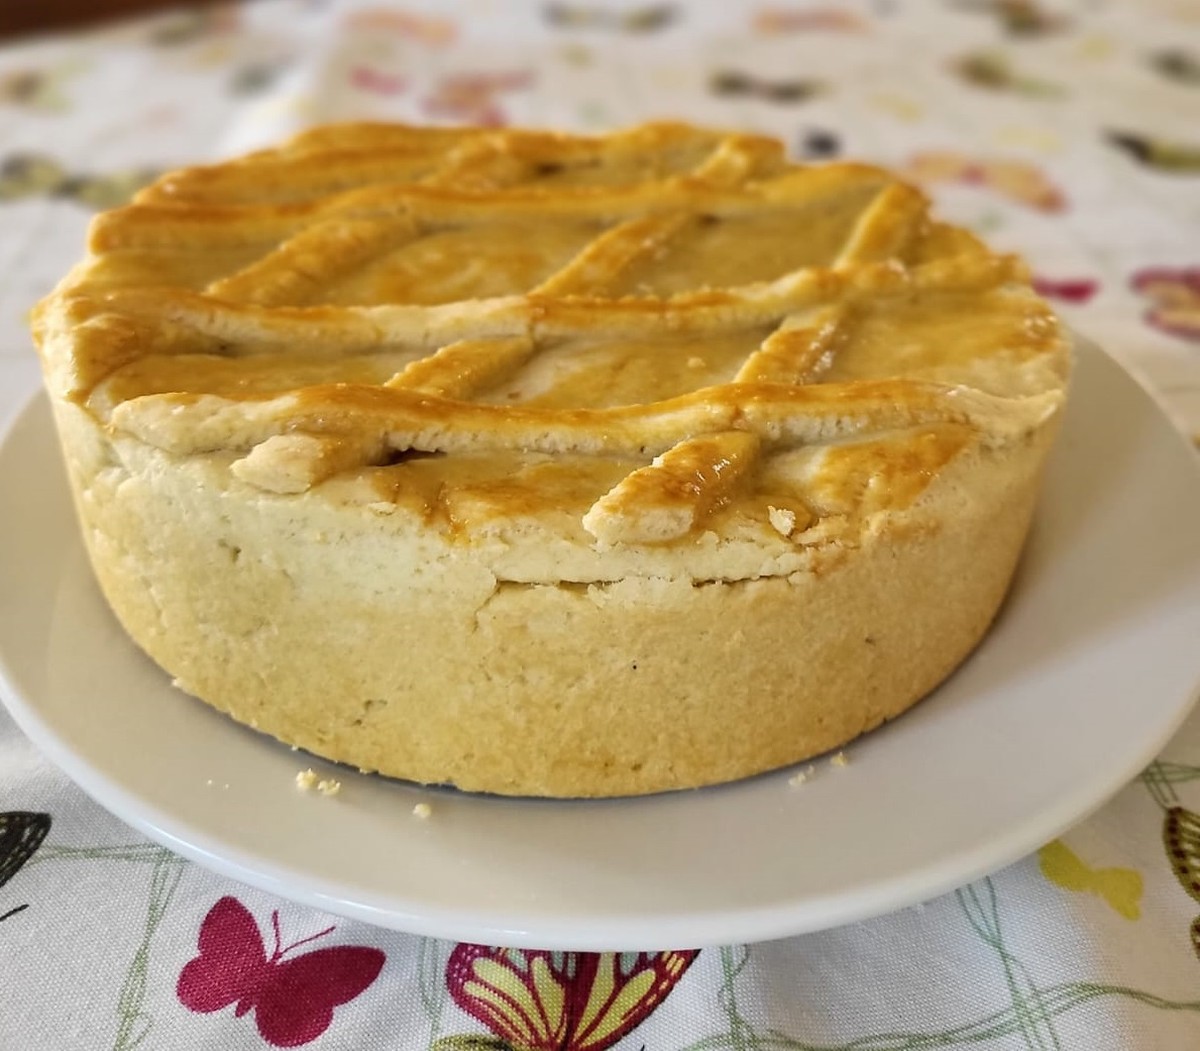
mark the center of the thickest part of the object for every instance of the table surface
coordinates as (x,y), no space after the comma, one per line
(1067,131)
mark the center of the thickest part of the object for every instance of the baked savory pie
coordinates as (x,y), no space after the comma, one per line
(550,465)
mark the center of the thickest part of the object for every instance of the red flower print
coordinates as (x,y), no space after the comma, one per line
(293,1000)
(1069,290)
(1175,295)
(535,1000)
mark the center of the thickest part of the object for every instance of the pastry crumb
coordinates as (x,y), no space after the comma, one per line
(422,811)
(800,777)
(841,759)
(329,786)
(782,520)
(307,780)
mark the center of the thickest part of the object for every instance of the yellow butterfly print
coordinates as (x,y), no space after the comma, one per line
(1121,888)
(1022,18)
(1178,65)
(534,1000)
(992,71)
(39,89)
(899,106)
(1161,155)
(34,174)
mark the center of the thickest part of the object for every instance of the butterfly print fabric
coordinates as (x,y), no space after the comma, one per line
(1062,130)
(1073,290)
(1174,295)
(21,833)
(293,1000)
(535,1000)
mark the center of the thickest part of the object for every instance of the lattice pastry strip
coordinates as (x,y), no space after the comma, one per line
(676,493)
(799,349)
(479,164)
(189,424)
(886,228)
(311,167)
(462,369)
(156,223)
(249,329)
(325,161)
(311,260)
(640,208)
(364,423)
(603,259)
(295,462)
(303,266)
(600,262)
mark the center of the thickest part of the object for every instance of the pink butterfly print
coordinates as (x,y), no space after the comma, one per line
(293,1000)
(535,1000)
(1174,294)
(1069,290)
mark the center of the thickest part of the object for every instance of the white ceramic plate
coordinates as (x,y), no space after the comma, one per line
(1092,665)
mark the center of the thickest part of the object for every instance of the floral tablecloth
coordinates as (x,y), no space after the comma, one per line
(1069,132)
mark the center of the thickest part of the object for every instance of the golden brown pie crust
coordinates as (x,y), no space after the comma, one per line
(546,464)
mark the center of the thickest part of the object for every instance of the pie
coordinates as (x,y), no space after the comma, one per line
(554,465)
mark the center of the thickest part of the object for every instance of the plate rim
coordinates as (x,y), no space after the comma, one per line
(749,924)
